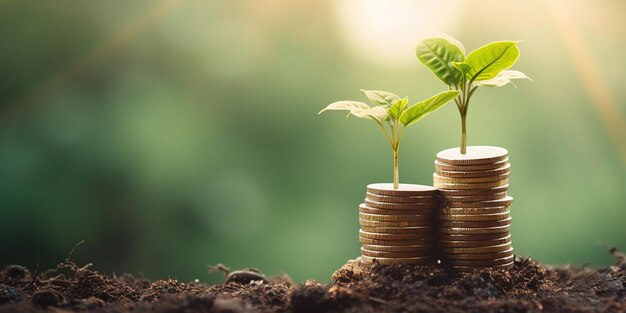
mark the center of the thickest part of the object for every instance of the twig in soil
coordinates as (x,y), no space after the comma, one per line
(32,282)
(379,300)
(71,254)
(219,267)
(68,264)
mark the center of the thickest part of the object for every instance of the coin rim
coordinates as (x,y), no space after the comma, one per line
(371,188)
(402,199)
(478,256)
(504,202)
(397,248)
(486,249)
(470,167)
(473,161)
(387,236)
(473,192)
(475,230)
(469,180)
(505,168)
(399,206)
(387,242)
(399,230)
(479,224)
(388,261)
(473,243)
(471,186)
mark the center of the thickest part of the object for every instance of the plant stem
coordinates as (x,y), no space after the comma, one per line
(463,133)
(396,172)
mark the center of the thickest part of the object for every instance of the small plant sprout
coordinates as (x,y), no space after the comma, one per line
(393,115)
(485,66)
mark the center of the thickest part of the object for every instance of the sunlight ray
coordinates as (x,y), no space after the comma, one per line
(592,80)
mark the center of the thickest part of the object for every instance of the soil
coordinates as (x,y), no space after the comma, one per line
(528,287)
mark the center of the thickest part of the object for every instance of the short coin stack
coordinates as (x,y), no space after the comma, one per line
(398,225)
(474,217)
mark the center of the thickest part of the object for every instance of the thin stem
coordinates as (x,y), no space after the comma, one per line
(471,93)
(463,133)
(457,101)
(396,172)
(400,137)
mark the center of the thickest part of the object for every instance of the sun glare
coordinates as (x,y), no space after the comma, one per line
(386,32)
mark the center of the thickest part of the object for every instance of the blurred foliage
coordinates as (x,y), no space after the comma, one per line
(170,135)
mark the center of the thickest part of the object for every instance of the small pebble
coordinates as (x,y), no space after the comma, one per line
(46,298)
(9,294)
(244,277)
(16,272)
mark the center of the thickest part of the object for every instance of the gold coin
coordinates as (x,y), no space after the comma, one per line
(470,224)
(412,236)
(504,169)
(412,260)
(454,186)
(404,190)
(507,201)
(479,256)
(475,230)
(427,212)
(425,222)
(398,230)
(491,262)
(460,268)
(474,155)
(473,192)
(474,217)
(468,180)
(395,254)
(471,237)
(481,249)
(399,206)
(413,199)
(425,247)
(440,166)
(475,198)
(393,218)
(385,242)
(450,244)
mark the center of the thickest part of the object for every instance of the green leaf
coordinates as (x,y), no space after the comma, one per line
(358,109)
(462,67)
(397,108)
(503,78)
(438,53)
(377,112)
(379,97)
(488,61)
(418,111)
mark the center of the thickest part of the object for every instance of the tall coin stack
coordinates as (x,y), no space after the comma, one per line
(398,225)
(474,217)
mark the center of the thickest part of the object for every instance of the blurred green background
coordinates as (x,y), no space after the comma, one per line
(170,135)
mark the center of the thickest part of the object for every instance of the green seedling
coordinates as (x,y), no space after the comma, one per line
(485,66)
(393,115)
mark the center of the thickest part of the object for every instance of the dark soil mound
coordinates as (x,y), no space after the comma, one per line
(527,287)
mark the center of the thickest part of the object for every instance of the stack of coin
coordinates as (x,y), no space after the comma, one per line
(474,217)
(398,225)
